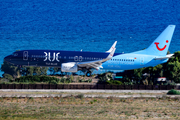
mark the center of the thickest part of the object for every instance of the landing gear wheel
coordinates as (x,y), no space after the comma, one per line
(88,74)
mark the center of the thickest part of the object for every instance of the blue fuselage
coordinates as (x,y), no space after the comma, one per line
(132,61)
(54,58)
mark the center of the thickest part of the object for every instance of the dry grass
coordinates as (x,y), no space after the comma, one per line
(88,108)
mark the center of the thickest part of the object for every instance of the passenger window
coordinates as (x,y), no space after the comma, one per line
(15,54)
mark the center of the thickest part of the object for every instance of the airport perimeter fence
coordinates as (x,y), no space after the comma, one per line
(87,86)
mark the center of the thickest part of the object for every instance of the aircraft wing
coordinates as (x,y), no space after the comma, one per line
(92,64)
(165,57)
(97,63)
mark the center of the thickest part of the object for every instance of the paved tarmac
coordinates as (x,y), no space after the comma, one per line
(92,96)
(21,93)
(83,91)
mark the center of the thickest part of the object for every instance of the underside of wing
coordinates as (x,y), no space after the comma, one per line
(91,64)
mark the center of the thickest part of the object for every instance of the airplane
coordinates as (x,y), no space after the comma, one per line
(73,61)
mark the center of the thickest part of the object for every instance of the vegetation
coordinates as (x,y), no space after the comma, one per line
(114,82)
(40,79)
(105,77)
(173,92)
(83,80)
(19,71)
(88,108)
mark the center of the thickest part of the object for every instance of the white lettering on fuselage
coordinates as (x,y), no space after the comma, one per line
(51,63)
(48,56)
(126,63)
(114,66)
(121,62)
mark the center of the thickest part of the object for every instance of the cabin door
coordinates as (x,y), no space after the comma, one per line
(142,61)
(25,55)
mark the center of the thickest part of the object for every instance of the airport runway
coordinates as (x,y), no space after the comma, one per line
(21,93)
(83,91)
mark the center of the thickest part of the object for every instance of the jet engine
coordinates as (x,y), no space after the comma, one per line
(69,67)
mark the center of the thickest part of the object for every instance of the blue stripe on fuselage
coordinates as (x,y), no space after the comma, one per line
(55,57)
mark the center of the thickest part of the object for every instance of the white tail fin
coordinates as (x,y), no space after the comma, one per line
(161,44)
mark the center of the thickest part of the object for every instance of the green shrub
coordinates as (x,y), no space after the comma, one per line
(68,80)
(53,82)
(63,80)
(80,96)
(71,78)
(114,82)
(36,78)
(5,83)
(89,80)
(173,92)
(44,78)
(32,79)
(8,76)
(117,82)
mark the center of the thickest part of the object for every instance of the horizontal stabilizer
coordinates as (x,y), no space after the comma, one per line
(165,57)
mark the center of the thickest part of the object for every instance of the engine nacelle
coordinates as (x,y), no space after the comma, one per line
(69,67)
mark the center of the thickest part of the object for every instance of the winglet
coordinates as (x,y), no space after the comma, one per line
(112,47)
(111,54)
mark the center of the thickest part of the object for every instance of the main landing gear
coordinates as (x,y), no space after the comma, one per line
(88,74)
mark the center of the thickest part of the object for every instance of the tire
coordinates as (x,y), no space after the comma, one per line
(88,74)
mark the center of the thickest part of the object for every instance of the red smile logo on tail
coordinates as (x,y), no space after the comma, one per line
(160,49)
